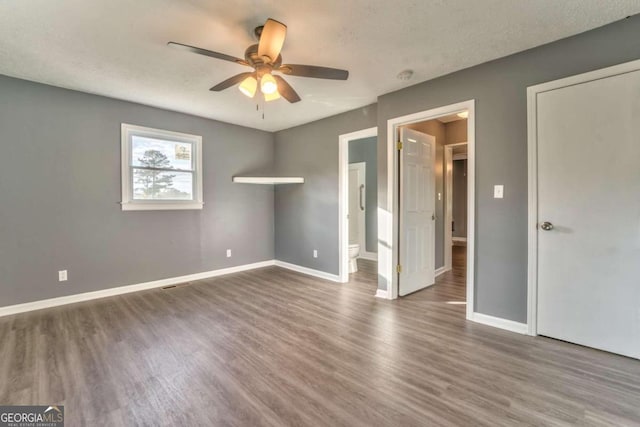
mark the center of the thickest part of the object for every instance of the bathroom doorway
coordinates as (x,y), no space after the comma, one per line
(358,204)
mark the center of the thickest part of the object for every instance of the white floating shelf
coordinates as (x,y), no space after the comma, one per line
(268,180)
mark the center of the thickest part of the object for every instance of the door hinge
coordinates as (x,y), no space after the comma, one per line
(399,145)
(399,268)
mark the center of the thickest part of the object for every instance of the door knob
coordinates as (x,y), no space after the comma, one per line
(546,226)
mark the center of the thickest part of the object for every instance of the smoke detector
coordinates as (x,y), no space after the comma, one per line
(405,75)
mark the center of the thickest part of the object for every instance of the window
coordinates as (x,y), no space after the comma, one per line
(161,170)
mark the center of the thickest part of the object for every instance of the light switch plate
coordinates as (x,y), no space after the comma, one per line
(498,191)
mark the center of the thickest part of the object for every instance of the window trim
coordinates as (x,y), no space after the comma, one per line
(128,202)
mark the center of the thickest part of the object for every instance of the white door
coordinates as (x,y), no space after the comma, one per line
(417,211)
(357,231)
(589,213)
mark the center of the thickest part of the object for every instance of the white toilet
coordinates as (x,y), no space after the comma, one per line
(354,251)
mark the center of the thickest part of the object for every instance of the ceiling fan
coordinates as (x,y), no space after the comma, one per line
(265,59)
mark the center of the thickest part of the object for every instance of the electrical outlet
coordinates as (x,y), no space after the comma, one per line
(315,253)
(62,276)
(228,253)
(498,191)
(439,196)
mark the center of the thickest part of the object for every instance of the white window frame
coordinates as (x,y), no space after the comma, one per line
(128,202)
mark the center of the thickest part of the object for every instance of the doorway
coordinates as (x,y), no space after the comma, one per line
(456,208)
(433,208)
(393,259)
(358,199)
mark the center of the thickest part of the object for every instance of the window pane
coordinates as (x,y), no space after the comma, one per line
(161,185)
(162,154)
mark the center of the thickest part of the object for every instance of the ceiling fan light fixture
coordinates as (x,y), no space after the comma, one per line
(268,84)
(271,96)
(249,86)
(264,58)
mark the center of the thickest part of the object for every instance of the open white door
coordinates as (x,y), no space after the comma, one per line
(588,178)
(417,211)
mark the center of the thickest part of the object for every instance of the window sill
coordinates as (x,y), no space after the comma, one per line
(132,206)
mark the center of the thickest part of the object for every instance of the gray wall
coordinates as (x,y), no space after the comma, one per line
(499,88)
(307,215)
(459,198)
(60,193)
(365,150)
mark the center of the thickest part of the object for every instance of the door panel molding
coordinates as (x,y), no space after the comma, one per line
(417,211)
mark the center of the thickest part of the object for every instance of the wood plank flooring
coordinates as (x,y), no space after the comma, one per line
(450,287)
(272,347)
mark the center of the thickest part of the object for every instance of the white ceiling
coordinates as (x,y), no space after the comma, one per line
(118,48)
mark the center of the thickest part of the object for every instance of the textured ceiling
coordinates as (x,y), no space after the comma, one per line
(118,48)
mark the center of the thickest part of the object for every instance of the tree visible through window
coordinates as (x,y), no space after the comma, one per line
(153,183)
(162,166)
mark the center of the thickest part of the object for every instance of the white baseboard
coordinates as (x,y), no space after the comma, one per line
(442,270)
(497,322)
(308,271)
(371,256)
(382,294)
(70,299)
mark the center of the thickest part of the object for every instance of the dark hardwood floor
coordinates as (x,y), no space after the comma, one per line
(273,347)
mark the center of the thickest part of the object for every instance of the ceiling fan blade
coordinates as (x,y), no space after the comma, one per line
(209,53)
(314,71)
(230,82)
(272,39)
(286,90)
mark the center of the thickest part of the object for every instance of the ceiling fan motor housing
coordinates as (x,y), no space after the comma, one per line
(256,61)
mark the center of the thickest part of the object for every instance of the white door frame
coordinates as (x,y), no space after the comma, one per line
(387,223)
(343,197)
(361,167)
(448,207)
(532,109)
